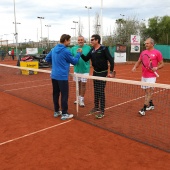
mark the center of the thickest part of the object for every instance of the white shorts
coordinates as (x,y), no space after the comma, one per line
(84,80)
(148,80)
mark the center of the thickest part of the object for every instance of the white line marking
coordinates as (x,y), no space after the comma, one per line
(33,133)
(24,82)
(27,87)
(132,100)
(121,103)
(126,102)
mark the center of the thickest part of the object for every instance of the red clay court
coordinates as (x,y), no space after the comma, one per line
(31,138)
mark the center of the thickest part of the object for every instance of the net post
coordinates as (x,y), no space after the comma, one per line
(77,93)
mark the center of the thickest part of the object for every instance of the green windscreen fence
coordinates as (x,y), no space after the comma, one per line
(112,50)
(165,50)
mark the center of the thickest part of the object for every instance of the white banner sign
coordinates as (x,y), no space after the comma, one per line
(31,50)
(135,44)
(119,57)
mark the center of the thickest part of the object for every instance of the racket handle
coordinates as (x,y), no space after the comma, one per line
(157,75)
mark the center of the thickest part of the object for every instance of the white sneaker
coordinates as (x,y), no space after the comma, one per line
(150,108)
(142,112)
(56,114)
(81,103)
(66,116)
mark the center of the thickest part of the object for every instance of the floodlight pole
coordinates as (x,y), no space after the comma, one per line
(76,22)
(101,22)
(73,33)
(41,28)
(16,34)
(48,32)
(89,20)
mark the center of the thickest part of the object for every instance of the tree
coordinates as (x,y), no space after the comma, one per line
(142,28)
(120,31)
(126,28)
(108,41)
(152,30)
(164,27)
(158,28)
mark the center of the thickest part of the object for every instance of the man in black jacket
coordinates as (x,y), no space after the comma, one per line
(99,56)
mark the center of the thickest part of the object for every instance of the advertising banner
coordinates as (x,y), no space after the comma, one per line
(31,50)
(120,57)
(135,44)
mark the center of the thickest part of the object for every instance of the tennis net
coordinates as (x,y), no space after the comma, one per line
(123,100)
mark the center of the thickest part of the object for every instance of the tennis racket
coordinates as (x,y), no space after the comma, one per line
(147,63)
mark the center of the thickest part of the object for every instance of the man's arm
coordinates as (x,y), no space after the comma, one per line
(48,58)
(112,73)
(110,59)
(87,57)
(73,59)
(160,65)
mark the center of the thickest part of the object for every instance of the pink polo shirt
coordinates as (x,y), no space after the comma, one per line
(156,57)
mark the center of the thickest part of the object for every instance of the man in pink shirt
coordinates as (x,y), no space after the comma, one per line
(148,75)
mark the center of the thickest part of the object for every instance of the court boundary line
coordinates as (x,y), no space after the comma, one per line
(28,87)
(24,82)
(33,133)
(119,104)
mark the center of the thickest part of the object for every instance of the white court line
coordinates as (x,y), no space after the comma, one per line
(126,102)
(120,104)
(24,82)
(33,133)
(27,87)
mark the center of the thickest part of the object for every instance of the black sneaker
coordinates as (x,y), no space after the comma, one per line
(142,112)
(100,115)
(94,110)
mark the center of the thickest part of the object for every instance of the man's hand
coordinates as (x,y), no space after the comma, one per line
(154,69)
(112,74)
(133,69)
(79,50)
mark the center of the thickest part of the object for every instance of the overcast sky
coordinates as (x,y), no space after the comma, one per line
(60,14)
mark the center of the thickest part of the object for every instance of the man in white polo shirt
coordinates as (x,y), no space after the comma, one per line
(81,67)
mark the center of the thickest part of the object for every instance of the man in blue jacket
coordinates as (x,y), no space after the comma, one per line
(61,57)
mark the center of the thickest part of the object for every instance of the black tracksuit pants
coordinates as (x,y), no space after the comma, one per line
(60,86)
(99,91)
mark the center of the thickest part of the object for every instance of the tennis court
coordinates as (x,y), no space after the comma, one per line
(32,139)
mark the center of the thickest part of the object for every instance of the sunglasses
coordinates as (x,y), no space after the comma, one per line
(92,39)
